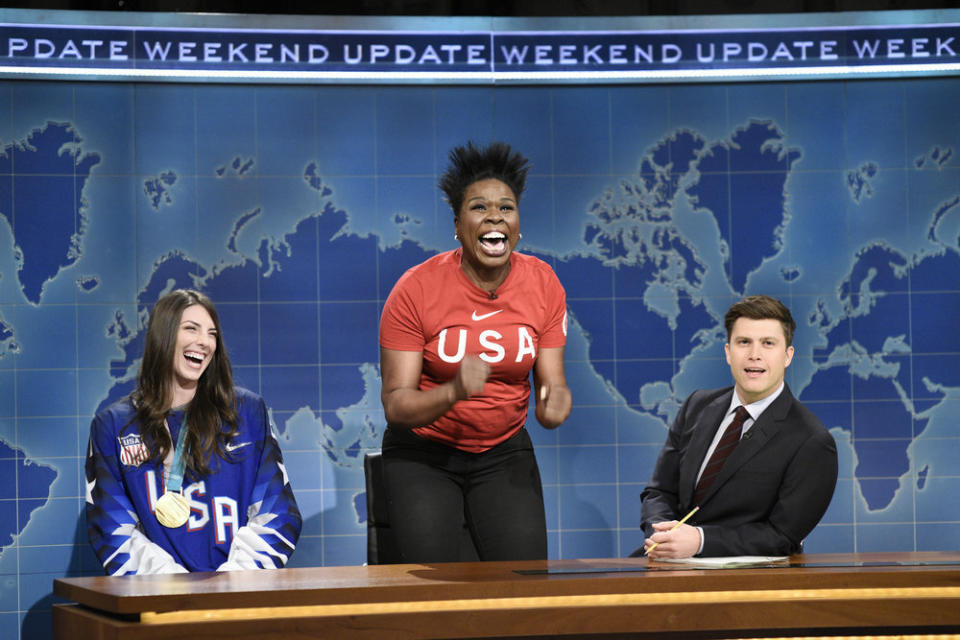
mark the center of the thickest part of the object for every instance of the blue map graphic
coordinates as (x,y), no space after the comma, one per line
(13,468)
(48,171)
(655,209)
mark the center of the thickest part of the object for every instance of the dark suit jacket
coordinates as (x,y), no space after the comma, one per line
(772,490)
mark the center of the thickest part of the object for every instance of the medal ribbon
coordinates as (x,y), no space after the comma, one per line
(175,479)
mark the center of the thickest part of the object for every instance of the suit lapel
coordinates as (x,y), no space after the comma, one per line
(771,421)
(703,432)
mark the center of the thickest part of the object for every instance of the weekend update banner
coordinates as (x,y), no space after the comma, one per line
(126,53)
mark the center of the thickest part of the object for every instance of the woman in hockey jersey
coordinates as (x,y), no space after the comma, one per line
(184,474)
(459,336)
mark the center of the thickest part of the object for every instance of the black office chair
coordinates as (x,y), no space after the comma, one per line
(381,547)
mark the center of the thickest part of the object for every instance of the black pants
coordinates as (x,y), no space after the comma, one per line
(432,489)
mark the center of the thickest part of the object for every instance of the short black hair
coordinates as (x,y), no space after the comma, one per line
(470,163)
(761,308)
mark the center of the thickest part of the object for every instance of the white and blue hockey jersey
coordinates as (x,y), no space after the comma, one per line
(242,516)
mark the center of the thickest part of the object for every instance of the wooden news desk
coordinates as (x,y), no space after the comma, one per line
(836,594)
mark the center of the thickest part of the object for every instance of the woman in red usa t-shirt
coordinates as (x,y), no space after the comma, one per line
(459,336)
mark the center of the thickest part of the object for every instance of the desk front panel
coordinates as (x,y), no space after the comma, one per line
(862,593)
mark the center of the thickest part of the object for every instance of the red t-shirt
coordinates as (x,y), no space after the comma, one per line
(435,308)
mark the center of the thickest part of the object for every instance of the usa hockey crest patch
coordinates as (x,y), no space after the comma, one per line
(132,450)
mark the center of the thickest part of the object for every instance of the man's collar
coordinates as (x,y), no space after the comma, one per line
(758,407)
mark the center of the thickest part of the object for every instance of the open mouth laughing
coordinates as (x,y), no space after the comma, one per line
(195,359)
(493,243)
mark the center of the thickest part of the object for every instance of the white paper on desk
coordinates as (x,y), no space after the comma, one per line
(726,562)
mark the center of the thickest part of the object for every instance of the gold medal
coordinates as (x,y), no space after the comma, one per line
(172,510)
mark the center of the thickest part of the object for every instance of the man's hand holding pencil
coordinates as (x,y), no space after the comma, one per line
(673,539)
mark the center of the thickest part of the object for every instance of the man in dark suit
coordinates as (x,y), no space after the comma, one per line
(765,486)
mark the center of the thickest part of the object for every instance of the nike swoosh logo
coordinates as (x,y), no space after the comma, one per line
(234,447)
(477,318)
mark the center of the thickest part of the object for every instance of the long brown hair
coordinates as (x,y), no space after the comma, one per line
(211,414)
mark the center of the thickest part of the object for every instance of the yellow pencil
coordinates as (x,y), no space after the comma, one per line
(682,520)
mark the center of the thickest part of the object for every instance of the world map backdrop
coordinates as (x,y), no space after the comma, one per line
(296,208)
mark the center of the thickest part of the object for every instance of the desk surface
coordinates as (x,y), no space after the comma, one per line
(632,596)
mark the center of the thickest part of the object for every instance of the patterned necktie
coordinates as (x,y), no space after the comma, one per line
(728,442)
